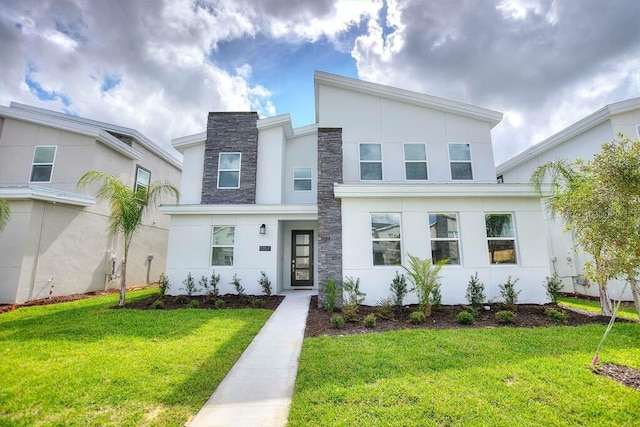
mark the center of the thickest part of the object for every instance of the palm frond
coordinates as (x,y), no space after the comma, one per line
(5,213)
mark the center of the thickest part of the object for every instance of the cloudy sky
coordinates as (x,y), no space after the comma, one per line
(160,66)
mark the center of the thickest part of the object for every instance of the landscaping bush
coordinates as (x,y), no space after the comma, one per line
(163,285)
(194,303)
(203,282)
(190,285)
(556,315)
(466,318)
(265,283)
(157,304)
(436,297)
(257,303)
(331,294)
(385,308)
(353,298)
(509,293)
(399,289)
(417,317)
(553,286)
(475,291)
(505,317)
(350,312)
(370,321)
(337,321)
(219,304)
(213,284)
(424,275)
(239,288)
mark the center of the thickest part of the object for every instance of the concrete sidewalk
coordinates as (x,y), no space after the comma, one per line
(257,391)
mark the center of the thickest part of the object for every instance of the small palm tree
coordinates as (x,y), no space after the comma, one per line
(5,213)
(424,275)
(128,208)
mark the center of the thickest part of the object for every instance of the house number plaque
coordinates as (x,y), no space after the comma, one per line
(265,248)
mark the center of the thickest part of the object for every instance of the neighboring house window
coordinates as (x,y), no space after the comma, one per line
(229,170)
(415,161)
(501,238)
(460,159)
(222,246)
(301,179)
(385,239)
(42,167)
(445,239)
(143,177)
(370,162)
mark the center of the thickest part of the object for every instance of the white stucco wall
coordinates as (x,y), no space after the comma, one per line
(271,166)
(191,181)
(301,151)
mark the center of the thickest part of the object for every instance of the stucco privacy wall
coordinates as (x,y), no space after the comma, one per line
(532,266)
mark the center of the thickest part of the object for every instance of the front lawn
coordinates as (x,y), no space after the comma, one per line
(86,363)
(466,377)
(594,306)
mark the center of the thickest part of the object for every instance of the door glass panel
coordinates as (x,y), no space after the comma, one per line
(302,239)
(302,262)
(302,274)
(302,250)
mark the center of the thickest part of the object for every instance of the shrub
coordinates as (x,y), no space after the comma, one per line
(257,303)
(182,299)
(157,304)
(331,294)
(509,293)
(337,321)
(265,283)
(475,291)
(239,288)
(436,297)
(424,276)
(505,316)
(553,286)
(219,304)
(194,303)
(385,308)
(163,285)
(417,317)
(556,315)
(213,284)
(190,285)
(352,289)
(466,318)
(350,312)
(399,289)
(370,321)
(204,283)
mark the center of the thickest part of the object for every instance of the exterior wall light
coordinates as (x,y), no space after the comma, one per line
(263,229)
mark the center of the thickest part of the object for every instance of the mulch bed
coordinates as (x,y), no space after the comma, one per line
(623,374)
(230,301)
(52,300)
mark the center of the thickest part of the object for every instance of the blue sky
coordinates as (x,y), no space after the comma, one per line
(161,66)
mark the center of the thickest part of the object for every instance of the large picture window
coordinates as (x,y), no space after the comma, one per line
(460,160)
(229,170)
(501,238)
(385,239)
(222,245)
(42,166)
(415,161)
(445,238)
(371,162)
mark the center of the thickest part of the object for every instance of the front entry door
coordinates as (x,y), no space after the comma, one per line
(302,258)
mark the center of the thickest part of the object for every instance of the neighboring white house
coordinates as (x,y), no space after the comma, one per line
(383,173)
(582,139)
(56,241)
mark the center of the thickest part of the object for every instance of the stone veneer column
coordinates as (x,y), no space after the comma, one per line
(329,211)
(230,132)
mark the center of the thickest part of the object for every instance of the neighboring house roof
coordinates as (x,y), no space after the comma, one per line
(406,96)
(113,136)
(581,126)
(45,194)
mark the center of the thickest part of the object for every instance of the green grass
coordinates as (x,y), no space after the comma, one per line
(466,377)
(85,363)
(594,306)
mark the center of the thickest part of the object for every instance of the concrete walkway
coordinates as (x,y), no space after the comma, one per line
(257,391)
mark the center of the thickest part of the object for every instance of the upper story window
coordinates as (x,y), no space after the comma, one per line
(222,244)
(229,170)
(42,166)
(460,160)
(370,162)
(445,238)
(301,179)
(501,238)
(415,161)
(143,177)
(385,239)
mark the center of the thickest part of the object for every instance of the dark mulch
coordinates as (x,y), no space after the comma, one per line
(527,316)
(52,300)
(623,374)
(230,301)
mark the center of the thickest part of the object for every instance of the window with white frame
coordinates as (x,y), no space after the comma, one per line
(370,162)
(222,245)
(42,166)
(301,179)
(386,239)
(460,161)
(143,177)
(445,238)
(415,161)
(501,238)
(229,170)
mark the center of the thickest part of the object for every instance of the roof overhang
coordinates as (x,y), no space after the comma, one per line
(430,190)
(46,195)
(305,211)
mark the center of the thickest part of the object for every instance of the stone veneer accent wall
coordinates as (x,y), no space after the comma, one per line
(329,211)
(230,133)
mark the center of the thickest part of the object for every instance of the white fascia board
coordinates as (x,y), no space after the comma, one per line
(435,190)
(305,130)
(281,120)
(441,104)
(46,194)
(579,127)
(309,211)
(188,141)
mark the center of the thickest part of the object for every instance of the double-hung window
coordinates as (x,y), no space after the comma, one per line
(415,161)
(222,244)
(229,170)
(386,239)
(370,162)
(143,177)
(445,238)
(301,179)
(460,161)
(42,166)
(501,238)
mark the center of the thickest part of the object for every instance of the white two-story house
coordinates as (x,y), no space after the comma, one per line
(381,174)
